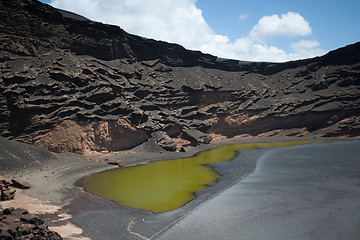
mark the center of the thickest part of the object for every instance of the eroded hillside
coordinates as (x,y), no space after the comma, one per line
(72,85)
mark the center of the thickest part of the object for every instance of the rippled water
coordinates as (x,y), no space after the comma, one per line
(162,186)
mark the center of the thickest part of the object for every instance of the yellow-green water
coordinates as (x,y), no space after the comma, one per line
(162,186)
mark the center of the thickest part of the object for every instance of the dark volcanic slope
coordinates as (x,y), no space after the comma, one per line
(70,84)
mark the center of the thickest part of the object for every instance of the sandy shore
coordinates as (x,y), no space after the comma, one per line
(79,215)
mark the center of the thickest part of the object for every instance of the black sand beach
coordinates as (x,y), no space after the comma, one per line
(88,216)
(301,192)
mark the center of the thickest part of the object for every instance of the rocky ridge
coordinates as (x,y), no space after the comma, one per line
(73,85)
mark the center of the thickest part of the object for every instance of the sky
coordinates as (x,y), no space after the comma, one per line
(256,30)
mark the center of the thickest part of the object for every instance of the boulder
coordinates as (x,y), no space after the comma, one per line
(114,162)
(164,141)
(6,193)
(20,184)
(196,137)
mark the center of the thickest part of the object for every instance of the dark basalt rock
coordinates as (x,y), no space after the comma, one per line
(56,66)
(196,137)
(20,184)
(6,192)
(17,223)
(164,141)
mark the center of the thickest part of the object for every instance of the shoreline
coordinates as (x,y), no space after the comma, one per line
(307,191)
(53,181)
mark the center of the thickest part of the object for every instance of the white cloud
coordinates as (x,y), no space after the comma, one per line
(288,25)
(180,21)
(173,21)
(306,49)
(305,44)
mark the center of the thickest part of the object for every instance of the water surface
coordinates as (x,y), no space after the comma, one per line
(162,186)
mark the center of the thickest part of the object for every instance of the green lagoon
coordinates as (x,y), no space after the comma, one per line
(162,186)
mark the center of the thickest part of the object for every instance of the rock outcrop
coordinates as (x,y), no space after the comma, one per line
(6,192)
(17,223)
(73,85)
(94,136)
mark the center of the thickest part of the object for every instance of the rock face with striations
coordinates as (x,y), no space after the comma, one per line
(73,85)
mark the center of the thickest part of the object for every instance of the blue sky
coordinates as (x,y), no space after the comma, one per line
(257,30)
(334,23)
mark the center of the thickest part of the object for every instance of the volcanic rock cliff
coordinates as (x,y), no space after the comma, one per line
(73,85)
